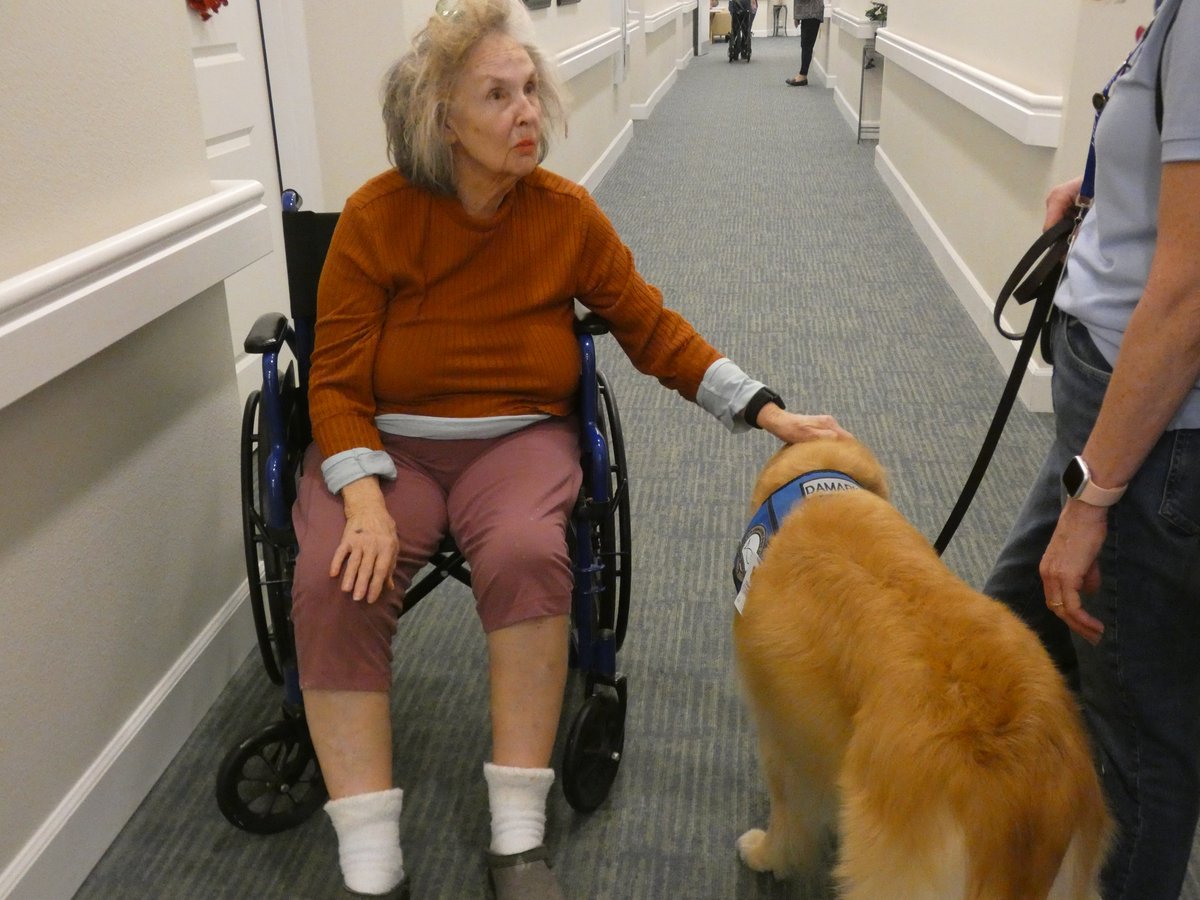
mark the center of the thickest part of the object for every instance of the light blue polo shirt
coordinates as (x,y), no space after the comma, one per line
(1110,259)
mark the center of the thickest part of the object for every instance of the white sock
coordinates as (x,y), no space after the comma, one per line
(368,832)
(517,797)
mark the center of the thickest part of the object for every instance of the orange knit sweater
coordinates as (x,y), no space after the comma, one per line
(426,311)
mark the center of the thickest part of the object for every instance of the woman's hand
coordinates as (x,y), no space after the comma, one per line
(1060,199)
(1070,566)
(793,428)
(366,557)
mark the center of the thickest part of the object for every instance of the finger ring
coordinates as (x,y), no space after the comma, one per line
(1056,604)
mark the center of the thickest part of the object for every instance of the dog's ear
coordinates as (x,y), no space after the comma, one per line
(863,466)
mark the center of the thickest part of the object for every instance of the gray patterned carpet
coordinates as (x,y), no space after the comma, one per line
(749,203)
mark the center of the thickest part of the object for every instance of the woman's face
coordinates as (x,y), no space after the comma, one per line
(494,120)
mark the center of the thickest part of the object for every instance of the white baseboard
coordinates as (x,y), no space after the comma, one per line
(642,111)
(57,859)
(848,110)
(1035,388)
(820,76)
(591,180)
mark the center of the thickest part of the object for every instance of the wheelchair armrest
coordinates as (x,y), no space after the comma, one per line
(590,324)
(267,334)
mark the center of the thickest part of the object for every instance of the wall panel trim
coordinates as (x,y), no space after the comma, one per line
(664,17)
(57,315)
(1033,119)
(583,56)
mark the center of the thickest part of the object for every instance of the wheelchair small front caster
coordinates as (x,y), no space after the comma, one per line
(592,753)
(271,782)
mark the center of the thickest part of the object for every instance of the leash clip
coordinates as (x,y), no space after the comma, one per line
(1082,205)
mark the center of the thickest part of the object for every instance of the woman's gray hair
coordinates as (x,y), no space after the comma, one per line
(416,90)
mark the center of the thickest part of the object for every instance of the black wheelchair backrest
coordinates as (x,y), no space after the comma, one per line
(306,237)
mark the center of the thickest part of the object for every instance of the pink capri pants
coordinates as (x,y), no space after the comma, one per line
(505,501)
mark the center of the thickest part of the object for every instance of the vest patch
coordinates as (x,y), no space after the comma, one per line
(765,522)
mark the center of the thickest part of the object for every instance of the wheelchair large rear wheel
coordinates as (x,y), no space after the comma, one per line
(268,584)
(615,545)
(593,751)
(271,781)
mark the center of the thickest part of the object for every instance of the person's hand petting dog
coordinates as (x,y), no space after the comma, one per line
(793,428)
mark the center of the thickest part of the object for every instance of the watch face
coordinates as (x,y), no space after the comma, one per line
(1074,476)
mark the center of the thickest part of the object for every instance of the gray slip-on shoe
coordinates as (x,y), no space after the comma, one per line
(523,876)
(402,891)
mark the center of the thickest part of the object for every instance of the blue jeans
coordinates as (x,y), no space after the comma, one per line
(1140,688)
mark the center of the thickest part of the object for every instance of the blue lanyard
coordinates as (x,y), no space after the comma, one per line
(1087,190)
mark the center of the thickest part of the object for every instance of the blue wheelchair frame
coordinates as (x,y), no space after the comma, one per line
(271,781)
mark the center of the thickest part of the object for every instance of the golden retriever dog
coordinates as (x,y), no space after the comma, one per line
(919,720)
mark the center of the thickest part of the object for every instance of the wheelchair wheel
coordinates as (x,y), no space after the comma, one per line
(268,589)
(271,781)
(593,750)
(253,538)
(615,543)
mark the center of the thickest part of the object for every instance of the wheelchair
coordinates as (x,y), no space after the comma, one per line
(271,781)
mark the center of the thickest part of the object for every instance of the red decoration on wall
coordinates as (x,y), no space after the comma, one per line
(207,8)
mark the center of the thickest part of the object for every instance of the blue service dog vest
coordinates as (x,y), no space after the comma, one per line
(765,522)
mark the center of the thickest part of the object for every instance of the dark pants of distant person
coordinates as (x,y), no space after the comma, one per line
(809,28)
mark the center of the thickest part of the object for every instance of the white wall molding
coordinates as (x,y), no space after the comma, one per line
(848,109)
(592,178)
(1035,388)
(1034,119)
(61,853)
(644,110)
(55,316)
(856,26)
(656,20)
(592,52)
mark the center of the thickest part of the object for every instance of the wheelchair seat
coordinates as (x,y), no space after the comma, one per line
(271,780)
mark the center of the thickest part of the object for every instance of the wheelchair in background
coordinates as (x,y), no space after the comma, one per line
(271,781)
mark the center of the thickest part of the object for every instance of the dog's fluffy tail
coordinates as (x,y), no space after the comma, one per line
(1055,851)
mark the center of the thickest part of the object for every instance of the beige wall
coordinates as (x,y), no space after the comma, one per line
(351,44)
(119,526)
(1021,41)
(91,114)
(983,189)
(599,109)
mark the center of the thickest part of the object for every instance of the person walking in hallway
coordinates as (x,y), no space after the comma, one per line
(807,14)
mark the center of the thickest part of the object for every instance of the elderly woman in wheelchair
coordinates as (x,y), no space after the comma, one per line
(442,401)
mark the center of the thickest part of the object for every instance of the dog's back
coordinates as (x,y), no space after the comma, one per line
(927,715)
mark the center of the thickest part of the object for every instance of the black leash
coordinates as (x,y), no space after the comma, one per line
(1034,278)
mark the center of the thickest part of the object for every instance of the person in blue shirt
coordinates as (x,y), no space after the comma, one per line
(1104,560)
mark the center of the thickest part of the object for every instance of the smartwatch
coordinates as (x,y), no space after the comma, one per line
(1077,482)
(761,398)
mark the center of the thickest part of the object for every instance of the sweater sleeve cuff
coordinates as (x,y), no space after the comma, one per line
(351,465)
(724,392)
